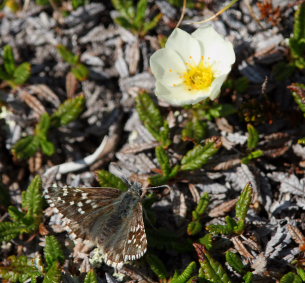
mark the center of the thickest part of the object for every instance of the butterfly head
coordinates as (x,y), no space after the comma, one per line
(135,188)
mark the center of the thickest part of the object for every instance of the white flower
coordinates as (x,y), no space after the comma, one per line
(192,67)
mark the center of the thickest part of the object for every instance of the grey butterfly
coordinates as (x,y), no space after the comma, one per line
(110,218)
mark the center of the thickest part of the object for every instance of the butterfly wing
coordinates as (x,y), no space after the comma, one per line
(82,207)
(96,214)
(126,241)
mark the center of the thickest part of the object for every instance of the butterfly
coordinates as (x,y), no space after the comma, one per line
(110,218)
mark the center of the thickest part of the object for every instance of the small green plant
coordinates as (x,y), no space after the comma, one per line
(79,70)
(238,224)
(66,113)
(91,277)
(152,119)
(11,73)
(157,266)
(213,271)
(253,139)
(78,3)
(209,110)
(22,268)
(134,18)
(27,220)
(195,225)
(195,130)
(168,171)
(108,180)
(298,93)
(297,41)
(185,275)
(291,277)
(194,159)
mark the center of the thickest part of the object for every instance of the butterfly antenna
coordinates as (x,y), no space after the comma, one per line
(157,187)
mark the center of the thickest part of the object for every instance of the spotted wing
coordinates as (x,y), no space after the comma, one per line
(126,239)
(81,208)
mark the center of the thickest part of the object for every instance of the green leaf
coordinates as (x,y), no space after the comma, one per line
(164,135)
(9,230)
(195,131)
(163,160)
(68,111)
(80,71)
(91,277)
(248,278)
(212,269)
(291,278)
(42,2)
(194,227)
(125,7)
(149,114)
(124,22)
(78,3)
(158,180)
(186,274)
(297,42)
(53,252)
(157,266)
(203,204)
(223,229)
(253,137)
(253,155)
(26,147)
(47,146)
(32,200)
(301,141)
(67,55)
(301,273)
(222,110)
(298,92)
(3,75)
(9,60)
(141,11)
(200,155)
(207,241)
(15,214)
(54,274)
(108,180)
(44,125)
(235,261)
(21,269)
(244,202)
(299,22)
(151,24)
(22,73)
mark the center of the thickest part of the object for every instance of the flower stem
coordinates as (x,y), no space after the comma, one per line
(182,13)
(218,13)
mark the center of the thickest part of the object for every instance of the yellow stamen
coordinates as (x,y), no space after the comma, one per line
(198,77)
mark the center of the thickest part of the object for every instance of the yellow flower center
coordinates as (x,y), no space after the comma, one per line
(198,77)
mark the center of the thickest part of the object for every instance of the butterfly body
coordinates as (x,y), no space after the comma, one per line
(110,218)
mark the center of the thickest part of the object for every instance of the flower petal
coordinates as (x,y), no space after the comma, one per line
(215,47)
(185,45)
(216,86)
(179,95)
(167,66)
